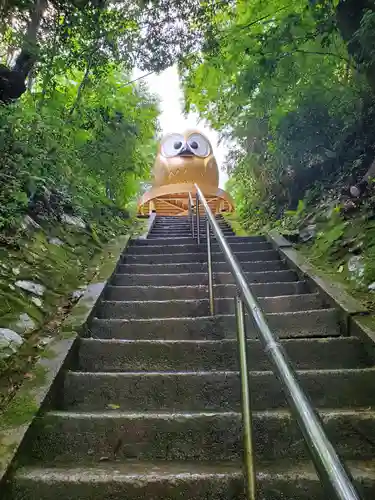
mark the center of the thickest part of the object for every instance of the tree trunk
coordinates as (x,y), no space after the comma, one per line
(29,53)
(349,14)
(12,81)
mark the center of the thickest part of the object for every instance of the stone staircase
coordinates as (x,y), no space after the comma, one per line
(150,406)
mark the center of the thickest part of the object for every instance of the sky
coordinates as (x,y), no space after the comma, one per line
(166,86)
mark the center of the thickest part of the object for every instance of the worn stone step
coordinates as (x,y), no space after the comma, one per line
(186,225)
(158,233)
(168,218)
(211,391)
(171,258)
(185,232)
(169,234)
(160,480)
(186,229)
(123,279)
(182,233)
(167,242)
(185,219)
(169,355)
(197,267)
(199,291)
(182,241)
(319,323)
(191,307)
(172,235)
(72,437)
(194,248)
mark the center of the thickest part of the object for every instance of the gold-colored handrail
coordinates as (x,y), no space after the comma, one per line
(190,212)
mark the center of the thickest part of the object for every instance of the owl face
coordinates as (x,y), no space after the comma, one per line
(185,158)
(190,145)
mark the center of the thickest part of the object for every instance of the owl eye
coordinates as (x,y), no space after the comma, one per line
(199,145)
(172,145)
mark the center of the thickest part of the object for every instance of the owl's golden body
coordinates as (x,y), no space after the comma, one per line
(184,160)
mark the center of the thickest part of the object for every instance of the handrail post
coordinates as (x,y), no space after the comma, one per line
(197,220)
(189,210)
(210,274)
(250,476)
(191,213)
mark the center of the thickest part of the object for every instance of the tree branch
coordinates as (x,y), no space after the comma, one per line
(330,54)
(263,18)
(47,75)
(81,87)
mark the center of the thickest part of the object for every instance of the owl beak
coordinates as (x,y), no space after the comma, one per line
(185,151)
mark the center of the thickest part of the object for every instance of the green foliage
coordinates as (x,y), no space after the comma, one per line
(278,81)
(327,240)
(53,161)
(91,35)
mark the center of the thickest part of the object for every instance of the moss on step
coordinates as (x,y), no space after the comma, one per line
(62,259)
(19,413)
(234,222)
(23,407)
(35,384)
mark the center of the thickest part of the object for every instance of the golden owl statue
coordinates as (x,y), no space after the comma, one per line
(184,160)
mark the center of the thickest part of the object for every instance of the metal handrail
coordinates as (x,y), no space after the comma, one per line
(190,211)
(332,472)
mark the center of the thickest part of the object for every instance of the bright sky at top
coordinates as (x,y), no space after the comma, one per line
(166,86)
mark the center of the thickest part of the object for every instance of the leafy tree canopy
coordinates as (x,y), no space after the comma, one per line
(54,160)
(283,81)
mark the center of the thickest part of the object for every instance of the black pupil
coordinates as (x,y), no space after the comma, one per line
(177,144)
(194,145)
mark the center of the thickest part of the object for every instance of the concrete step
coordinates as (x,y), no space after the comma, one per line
(176,355)
(194,248)
(183,232)
(211,391)
(171,258)
(182,241)
(194,308)
(136,480)
(184,279)
(199,291)
(174,235)
(197,267)
(184,217)
(186,232)
(186,225)
(171,241)
(72,437)
(187,229)
(319,323)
